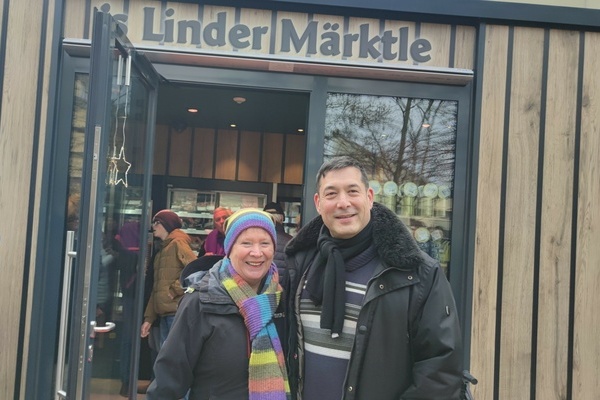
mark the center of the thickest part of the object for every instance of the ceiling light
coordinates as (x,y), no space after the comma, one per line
(192,110)
(426,125)
(300,130)
(233,125)
(239,99)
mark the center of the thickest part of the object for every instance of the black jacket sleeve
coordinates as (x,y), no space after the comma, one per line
(436,343)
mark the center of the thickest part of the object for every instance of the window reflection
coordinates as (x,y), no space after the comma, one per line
(407,146)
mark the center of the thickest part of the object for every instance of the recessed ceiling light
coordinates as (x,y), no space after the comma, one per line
(300,130)
(192,110)
(239,99)
(233,125)
(426,125)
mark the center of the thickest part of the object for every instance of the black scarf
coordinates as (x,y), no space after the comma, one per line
(326,280)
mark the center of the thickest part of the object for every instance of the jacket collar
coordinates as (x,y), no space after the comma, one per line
(175,234)
(208,285)
(393,240)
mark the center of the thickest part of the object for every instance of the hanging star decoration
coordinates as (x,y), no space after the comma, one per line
(118,168)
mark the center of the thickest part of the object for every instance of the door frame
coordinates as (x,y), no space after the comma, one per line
(108,39)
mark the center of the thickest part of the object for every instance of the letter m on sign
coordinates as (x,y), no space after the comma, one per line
(290,37)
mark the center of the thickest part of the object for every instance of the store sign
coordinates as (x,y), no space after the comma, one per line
(297,37)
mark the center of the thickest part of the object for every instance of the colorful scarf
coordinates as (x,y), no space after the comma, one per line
(267,378)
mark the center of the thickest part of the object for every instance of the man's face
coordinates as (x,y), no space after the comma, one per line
(344,202)
(219,218)
(158,230)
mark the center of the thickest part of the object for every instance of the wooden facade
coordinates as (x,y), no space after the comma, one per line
(534,246)
(242,155)
(27,78)
(534,308)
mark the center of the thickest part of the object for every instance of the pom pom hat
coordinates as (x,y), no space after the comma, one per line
(246,218)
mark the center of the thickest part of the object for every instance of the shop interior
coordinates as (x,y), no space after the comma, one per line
(229,147)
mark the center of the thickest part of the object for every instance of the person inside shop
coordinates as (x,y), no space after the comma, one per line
(213,245)
(376,316)
(226,340)
(127,242)
(283,237)
(173,255)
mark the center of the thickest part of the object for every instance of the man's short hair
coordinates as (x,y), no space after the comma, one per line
(338,163)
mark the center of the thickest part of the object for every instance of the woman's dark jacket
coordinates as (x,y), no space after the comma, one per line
(408,340)
(207,348)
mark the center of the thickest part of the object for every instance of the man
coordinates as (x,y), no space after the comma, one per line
(283,237)
(173,255)
(213,245)
(374,315)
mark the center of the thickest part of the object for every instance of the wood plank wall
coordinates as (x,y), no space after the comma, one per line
(230,154)
(23,117)
(535,307)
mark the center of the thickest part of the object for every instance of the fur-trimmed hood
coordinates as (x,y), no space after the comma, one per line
(394,243)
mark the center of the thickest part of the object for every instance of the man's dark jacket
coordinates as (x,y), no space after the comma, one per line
(408,340)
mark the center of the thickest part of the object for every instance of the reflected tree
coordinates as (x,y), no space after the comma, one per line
(397,138)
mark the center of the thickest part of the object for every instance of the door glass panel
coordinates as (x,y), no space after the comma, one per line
(407,146)
(120,264)
(123,237)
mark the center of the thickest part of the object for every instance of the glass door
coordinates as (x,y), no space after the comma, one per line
(111,198)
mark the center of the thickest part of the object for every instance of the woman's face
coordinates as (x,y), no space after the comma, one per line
(252,254)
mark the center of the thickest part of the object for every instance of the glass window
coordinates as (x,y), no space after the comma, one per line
(407,146)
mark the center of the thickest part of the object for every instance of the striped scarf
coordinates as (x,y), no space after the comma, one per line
(267,376)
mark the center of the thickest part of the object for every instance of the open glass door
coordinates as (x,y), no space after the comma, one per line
(113,197)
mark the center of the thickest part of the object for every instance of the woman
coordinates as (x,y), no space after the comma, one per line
(225,340)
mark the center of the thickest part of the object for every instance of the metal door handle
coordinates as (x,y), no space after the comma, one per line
(108,326)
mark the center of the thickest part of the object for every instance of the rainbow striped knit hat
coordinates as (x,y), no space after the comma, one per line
(246,218)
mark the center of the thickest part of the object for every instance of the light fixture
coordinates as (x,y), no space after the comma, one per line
(233,125)
(239,99)
(192,110)
(426,125)
(300,130)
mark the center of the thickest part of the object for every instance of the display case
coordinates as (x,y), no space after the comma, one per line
(132,201)
(195,207)
(238,200)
